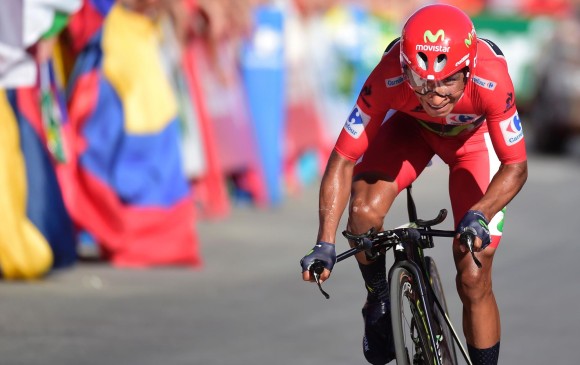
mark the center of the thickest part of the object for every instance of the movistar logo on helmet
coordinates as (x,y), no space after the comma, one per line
(469,38)
(432,38)
(429,37)
(424,47)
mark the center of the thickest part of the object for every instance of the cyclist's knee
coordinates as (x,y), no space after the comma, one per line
(473,286)
(364,214)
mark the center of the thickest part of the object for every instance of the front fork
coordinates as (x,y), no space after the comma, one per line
(413,268)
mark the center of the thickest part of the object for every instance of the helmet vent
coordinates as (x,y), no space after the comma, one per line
(422,60)
(440,63)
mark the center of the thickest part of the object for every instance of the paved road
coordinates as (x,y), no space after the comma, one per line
(247,305)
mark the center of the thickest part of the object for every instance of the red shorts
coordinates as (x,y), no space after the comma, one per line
(402,148)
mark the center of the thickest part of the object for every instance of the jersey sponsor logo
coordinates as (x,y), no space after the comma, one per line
(487,84)
(512,130)
(395,81)
(356,123)
(458,119)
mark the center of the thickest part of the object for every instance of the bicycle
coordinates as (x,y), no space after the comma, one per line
(422,330)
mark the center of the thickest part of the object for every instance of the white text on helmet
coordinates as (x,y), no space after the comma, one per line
(424,47)
(462,60)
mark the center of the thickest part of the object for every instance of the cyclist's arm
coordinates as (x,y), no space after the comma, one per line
(359,129)
(507,137)
(333,198)
(334,195)
(504,186)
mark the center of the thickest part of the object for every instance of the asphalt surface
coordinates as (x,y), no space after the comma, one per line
(248,306)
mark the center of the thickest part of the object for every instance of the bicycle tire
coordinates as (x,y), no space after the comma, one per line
(443,333)
(410,334)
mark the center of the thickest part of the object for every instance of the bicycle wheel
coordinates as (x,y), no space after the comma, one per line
(443,333)
(412,345)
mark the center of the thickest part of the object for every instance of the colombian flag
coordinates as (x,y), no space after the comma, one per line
(37,232)
(124,182)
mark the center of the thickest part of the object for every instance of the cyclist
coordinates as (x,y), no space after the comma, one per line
(438,90)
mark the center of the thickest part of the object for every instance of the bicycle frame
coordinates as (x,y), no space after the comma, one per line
(409,255)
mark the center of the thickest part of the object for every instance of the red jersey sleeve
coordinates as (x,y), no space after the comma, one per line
(499,103)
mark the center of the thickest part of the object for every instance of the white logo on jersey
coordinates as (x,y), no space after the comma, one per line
(511,130)
(484,83)
(356,122)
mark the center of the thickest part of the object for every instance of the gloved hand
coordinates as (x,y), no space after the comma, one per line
(475,220)
(322,251)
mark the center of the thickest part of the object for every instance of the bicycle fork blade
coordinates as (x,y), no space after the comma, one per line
(453,332)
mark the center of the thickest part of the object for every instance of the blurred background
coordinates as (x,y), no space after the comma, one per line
(144,138)
(133,122)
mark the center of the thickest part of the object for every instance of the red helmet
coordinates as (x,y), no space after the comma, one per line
(437,41)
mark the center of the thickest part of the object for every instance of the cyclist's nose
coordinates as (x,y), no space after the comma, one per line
(436,99)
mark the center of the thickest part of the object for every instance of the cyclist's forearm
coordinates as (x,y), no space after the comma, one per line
(334,195)
(504,186)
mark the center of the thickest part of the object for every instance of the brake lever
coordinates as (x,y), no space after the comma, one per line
(468,238)
(316,269)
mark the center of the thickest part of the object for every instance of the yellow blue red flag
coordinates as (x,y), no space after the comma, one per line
(125,180)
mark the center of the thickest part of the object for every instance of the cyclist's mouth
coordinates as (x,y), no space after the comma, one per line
(438,110)
(437,107)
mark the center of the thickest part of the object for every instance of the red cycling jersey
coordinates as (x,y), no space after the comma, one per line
(488,98)
(389,132)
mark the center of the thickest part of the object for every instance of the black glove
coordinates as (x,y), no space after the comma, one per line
(476,220)
(323,252)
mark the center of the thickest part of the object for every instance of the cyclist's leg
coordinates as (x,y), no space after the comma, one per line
(394,159)
(471,170)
